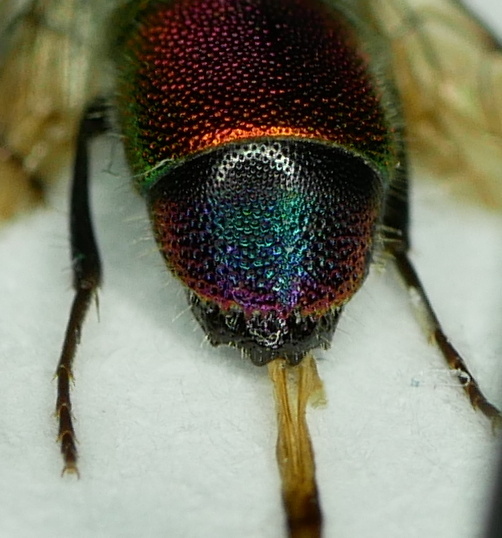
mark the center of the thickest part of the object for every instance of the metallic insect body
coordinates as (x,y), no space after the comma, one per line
(265,172)
(267,141)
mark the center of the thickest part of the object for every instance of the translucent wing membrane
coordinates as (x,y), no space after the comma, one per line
(51,52)
(448,69)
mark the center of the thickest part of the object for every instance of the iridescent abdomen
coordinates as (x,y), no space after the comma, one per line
(257,134)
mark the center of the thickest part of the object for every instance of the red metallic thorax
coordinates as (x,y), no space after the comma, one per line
(208,72)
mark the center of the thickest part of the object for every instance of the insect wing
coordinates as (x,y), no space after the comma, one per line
(444,59)
(52,65)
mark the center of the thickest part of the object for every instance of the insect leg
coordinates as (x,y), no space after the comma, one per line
(86,266)
(452,356)
(396,218)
